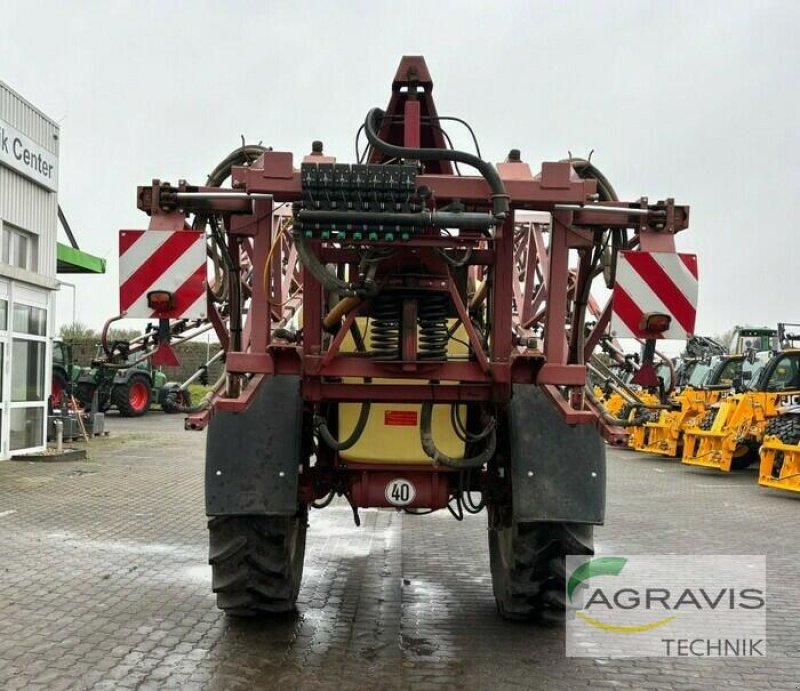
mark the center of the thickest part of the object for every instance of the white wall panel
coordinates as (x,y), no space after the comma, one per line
(23,203)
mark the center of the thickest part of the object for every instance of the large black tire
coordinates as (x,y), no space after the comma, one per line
(173,399)
(745,454)
(528,564)
(132,398)
(257,562)
(787,429)
(708,420)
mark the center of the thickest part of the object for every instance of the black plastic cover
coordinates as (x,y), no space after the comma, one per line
(558,471)
(252,457)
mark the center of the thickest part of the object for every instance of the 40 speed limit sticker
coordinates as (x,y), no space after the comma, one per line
(400,492)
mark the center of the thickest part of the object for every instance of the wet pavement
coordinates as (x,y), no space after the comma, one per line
(106,584)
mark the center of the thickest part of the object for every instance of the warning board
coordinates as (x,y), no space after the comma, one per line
(162,260)
(655,283)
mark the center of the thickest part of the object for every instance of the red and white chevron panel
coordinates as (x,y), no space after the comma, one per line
(654,282)
(169,260)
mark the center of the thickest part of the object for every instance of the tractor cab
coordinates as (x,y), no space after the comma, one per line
(758,339)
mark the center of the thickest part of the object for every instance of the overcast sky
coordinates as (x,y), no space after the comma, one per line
(695,100)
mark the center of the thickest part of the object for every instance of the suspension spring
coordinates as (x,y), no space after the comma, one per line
(385,327)
(432,321)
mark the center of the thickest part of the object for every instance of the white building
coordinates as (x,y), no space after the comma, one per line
(29,256)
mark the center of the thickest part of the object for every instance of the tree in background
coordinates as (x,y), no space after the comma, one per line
(77,331)
(724,338)
(123,334)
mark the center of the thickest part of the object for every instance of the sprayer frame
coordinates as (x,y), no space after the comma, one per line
(532,283)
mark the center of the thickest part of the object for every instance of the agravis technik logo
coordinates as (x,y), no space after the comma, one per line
(666,605)
(606,566)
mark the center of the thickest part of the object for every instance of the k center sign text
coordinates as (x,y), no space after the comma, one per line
(28,158)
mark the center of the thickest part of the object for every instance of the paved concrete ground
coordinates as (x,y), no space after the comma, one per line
(105,583)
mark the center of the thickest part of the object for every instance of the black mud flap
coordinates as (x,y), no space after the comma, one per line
(252,457)
(558,471)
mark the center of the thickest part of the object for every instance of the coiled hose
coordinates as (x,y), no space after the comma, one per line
(500,198)
(321,425)
(247,153)
(430,449)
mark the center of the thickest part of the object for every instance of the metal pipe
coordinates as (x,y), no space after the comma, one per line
(624,211)
(422,219)
(74,293)
(199,372)
(59,425)
(186,196)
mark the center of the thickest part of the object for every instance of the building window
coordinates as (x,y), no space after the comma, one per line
(30,320)
(27,375)
(26,428)
(20,248)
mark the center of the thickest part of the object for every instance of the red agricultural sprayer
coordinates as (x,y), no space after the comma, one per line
(405,335)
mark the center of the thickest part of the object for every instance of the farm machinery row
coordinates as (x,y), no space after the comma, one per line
(123,375)
(734,410)
(402,335)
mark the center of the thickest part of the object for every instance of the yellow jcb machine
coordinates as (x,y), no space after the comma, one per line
(654,402)
(611,389)
(708,384)
(730,434)
(780,451)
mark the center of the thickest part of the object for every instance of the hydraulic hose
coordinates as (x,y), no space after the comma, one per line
(203,404)
(339,310)
(500,198)
(610,419)
(245,154)
(322,427)
(430,449)
(317,268)
(461,430)
(588,171)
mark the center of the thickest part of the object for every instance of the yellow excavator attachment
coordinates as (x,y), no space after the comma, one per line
(732,431)
(664,436)
(780,464)
(780,452)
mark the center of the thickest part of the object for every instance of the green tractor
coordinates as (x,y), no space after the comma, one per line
(129,384)
(64,372)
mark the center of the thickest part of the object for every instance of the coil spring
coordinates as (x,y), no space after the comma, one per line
(432,320)
(385,327)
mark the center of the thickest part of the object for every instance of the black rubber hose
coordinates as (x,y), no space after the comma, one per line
(429,447)
(610,419)
(461,430)
(500,198)
(317,268)
(244,154)
(325,501)
(325,434)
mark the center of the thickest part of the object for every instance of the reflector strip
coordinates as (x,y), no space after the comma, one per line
(172,261)
(655,282)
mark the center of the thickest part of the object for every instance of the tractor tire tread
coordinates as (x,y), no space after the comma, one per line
(257,562)
(528,567)
(120,396)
